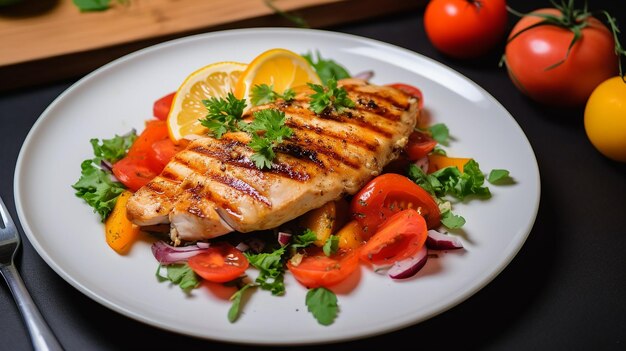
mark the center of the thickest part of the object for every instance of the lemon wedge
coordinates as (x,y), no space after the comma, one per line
(280,68)
(214,80)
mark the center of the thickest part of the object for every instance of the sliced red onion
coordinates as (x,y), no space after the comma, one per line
(440,241)
(284,238)
(203,244)
(167,254)
(365,75)
(242,247)
(106,165)
(409,266)
(381,268)
(422,163)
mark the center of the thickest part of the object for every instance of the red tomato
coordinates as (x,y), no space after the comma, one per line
(220,263)
(420,144)
(162,106)
(411,90)
(400,237)
(465,28)
(134,171)
(316,269)
(162,151)
(533,55)
(390,193)
(138,168)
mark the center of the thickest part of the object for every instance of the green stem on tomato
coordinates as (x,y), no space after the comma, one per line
(574,20)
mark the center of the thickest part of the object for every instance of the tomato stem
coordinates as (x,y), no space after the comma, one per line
(574,20)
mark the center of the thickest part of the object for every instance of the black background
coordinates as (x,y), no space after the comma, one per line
(565,290)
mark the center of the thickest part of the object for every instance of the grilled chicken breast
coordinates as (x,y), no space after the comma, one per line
(212,187)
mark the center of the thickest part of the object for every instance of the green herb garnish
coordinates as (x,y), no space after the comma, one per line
(322,303)
(236,298)
(271,270)
(268,130)
(331,245)
(179,274)
(264,94)
(329,97)
(223,114)
(326,69)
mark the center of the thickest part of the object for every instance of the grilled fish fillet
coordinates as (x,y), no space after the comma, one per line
(212,187)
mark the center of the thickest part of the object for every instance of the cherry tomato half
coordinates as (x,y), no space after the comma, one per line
(400,237)
(162,151)
(316,269)
(138,168)
(390,193)
(420,144)
(542,65)
(161,107)
(220,263)
(411,90)
(465,28)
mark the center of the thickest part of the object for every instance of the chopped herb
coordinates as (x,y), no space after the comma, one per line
(236,298)
(270,265)
(95,5)
(268,130)
(326,69)
(305,239)
(179,274)
(264,94)
(331,245)
(440,133)
(223,114)
(322,303)
(498,175)
(329,97)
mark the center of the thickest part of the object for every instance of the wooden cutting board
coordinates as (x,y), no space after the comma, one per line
(46,40)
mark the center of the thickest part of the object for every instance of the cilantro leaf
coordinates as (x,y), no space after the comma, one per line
(331,245)
(498,175)
(322,303)
(264,94)
(236,298)
(271,270)
(223,114)
(329,97)
(440,133)
(451,220)
(326,69)
(179,274)
(305,239)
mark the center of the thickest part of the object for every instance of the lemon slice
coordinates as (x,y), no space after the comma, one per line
(214,80)
(280,68)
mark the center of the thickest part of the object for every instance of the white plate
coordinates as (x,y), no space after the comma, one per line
(119,96)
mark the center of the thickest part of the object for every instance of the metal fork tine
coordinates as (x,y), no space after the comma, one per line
(7,221)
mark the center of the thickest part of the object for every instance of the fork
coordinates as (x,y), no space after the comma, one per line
(40,333)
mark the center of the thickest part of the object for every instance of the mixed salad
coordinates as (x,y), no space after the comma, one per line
(389,225)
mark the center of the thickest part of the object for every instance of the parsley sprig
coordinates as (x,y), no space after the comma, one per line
(223,114)
(267,130)
(264,94)
(329,97)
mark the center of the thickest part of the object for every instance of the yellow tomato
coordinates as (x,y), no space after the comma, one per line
(605,118)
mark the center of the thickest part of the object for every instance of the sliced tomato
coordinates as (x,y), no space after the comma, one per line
(220,263)
(400,237)
(316,269)
(420,144)
(154,131)
(138,167)
(134,171)
(161,107)
(387,194)
(411,90)
(162,151)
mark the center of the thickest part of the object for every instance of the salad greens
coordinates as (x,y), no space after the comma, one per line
(95,184)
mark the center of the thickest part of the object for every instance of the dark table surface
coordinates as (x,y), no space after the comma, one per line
(565,290)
